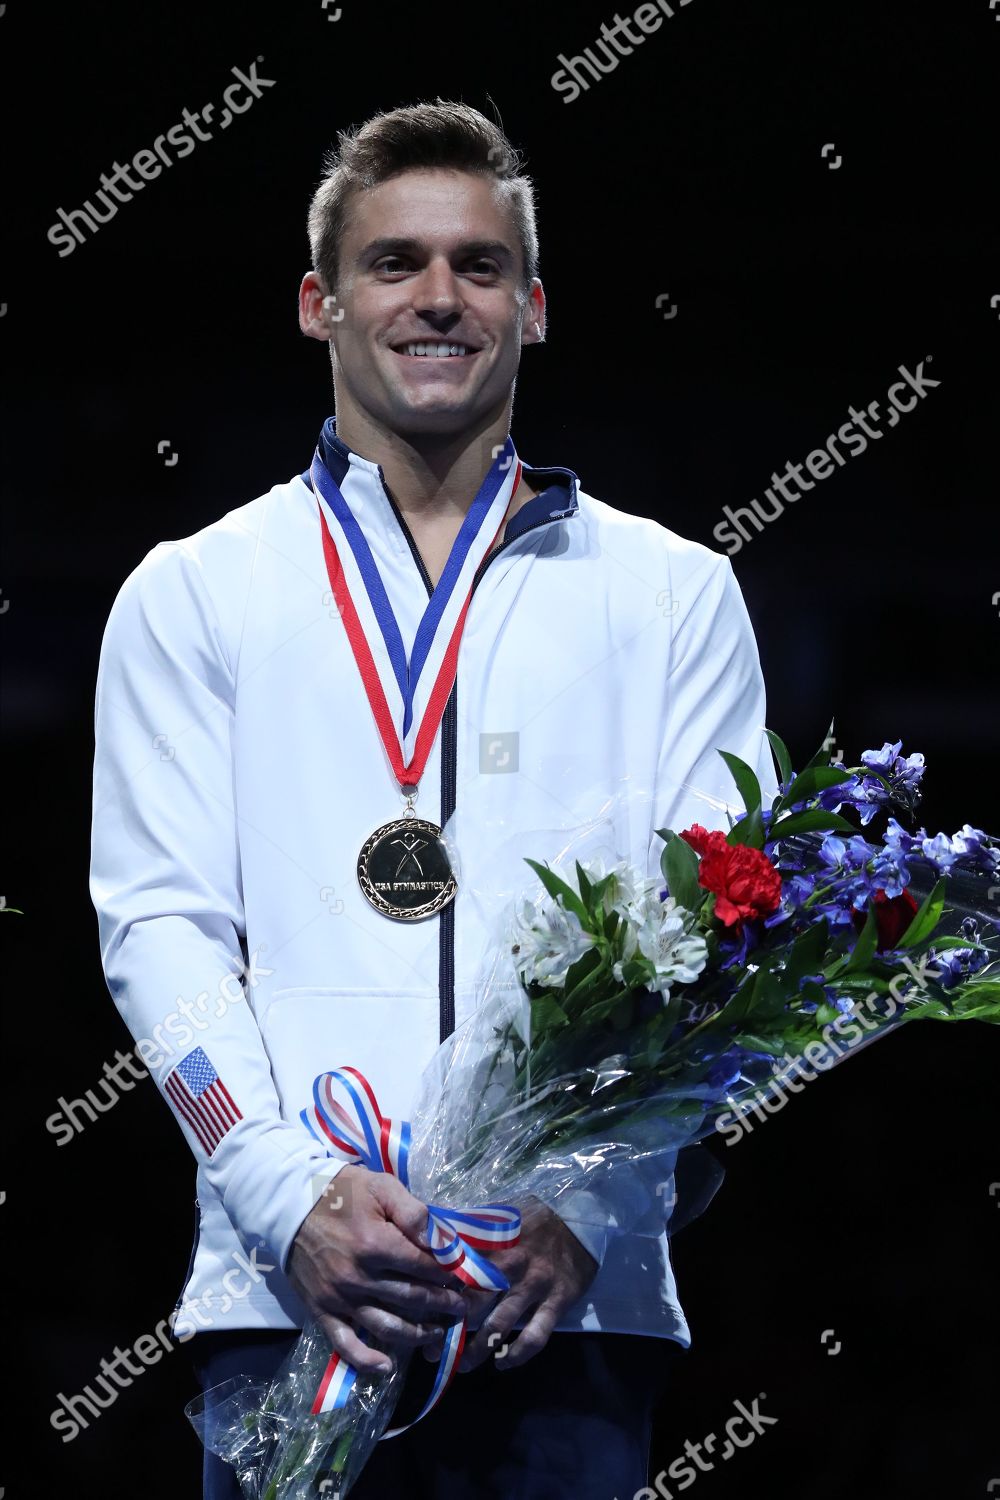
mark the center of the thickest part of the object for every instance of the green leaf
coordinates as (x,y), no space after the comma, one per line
(812,780)
(979,1000)
(588,975)
(599,890)
(768,995)
(547,1015)
(746,782)
(559,890)
(806,953)
(680,869)
(755,1043)
(749,830)
(815,820)
(822,756)
(588,963)
(926,917)
(781,755)
(585,885)
(864,948)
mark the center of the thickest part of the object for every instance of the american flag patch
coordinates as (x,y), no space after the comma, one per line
(200,1097)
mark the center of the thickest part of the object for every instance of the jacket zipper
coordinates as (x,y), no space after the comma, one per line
(449,772)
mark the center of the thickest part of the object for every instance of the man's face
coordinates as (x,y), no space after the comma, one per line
(431,261)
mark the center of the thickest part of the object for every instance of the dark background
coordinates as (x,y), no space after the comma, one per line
(694,170)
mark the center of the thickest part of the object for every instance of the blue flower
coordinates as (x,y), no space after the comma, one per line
(725,1070)
(865,796)
(939,852)
(957,964)
(975,850)
(903,770)
(737,944)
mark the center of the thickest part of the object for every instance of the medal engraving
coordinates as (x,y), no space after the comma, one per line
(404,871)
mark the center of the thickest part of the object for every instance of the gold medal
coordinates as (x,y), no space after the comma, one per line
(403,868)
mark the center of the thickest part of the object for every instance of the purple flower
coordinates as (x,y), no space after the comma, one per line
(939,852)
(831,798)
(829,994)
(957,964)
(975,850)
(865,796)
(737,1063)
(889,868)
(903,770)
(737,944)
(897,838)
(725,1070)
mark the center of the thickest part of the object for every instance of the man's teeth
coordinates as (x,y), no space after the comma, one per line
(441,351)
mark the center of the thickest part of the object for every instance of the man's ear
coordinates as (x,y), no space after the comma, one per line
(317,308)
(533,317)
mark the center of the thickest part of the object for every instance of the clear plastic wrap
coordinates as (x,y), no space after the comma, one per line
(277,1447)
(625,1018)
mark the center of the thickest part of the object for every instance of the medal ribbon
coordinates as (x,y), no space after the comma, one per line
(345,1118)
(361,596)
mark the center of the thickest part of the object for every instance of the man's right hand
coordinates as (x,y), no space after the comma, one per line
(365,1262)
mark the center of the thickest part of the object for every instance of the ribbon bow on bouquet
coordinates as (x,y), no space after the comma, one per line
(357,1130)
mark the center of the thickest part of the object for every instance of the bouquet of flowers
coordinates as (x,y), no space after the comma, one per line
(626,1020)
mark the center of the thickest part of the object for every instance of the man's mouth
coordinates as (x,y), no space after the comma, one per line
(439,349)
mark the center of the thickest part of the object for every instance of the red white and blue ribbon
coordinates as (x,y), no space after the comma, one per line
(408,697)
(345,1118)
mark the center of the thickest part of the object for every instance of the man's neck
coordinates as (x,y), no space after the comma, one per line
(433,481)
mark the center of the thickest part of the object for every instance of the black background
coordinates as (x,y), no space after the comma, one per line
(694,170)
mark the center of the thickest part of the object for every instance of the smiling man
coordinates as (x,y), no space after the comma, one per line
(418,630)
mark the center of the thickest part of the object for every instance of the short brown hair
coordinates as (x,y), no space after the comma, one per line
(442,134)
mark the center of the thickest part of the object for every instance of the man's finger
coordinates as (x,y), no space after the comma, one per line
(494,1336)
(532,1338)
(387,1248)
(418,1302)
(344,1341)
(394,1330)
(479,1303)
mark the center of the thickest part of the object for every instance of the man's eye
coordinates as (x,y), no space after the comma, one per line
(390,263)
(484,267)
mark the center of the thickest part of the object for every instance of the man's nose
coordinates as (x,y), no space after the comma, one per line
(437,295)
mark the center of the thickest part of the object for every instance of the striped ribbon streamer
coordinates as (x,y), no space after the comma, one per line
(407,697)
(345,1118)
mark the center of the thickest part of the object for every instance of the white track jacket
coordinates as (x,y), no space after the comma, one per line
(238,771)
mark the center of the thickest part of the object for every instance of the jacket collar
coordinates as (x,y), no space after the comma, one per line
(556,500)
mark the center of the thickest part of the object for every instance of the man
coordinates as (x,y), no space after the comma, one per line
(417,631)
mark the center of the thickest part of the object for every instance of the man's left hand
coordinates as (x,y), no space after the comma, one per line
(548,1269)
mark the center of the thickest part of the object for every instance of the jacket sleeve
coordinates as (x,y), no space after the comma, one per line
(713,699)
(165,881)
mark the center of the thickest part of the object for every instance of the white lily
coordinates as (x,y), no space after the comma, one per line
(547,940)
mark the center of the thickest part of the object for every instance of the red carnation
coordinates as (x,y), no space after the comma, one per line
(745,883)
(893,915)
(700,839)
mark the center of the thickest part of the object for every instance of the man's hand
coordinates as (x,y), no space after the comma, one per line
(361,1259)
(547,1269)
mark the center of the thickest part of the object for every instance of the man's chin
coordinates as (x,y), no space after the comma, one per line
(431,418)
